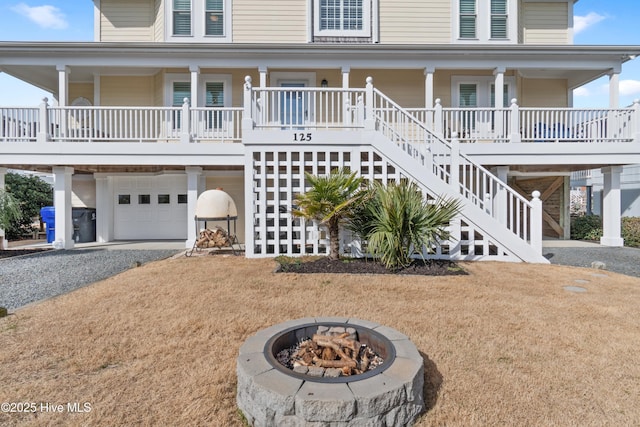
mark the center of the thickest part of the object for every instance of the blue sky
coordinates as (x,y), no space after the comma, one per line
(599,22)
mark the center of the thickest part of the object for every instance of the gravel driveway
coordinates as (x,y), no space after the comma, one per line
(31,278)
(619,260)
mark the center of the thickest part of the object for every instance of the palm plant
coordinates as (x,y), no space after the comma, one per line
(397,221)
(330,200)
(9,212)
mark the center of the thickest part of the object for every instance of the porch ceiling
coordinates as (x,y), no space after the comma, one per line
(36,62)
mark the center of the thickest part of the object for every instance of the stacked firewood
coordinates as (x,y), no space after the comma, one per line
(213,238)
(339,351)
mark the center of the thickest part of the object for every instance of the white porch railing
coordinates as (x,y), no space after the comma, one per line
(518,124)
(121,124)
(309,108)
(115,123)
(216,124)
(315,108)
(18,124)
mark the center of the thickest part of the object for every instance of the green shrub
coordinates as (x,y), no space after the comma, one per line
(588,227)
(631,231)
(397,221)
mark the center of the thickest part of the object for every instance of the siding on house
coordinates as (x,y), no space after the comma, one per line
(158,19)
(158,92)
(546,23)
(77,90)
(543,93)
(125,20)
(415,21)
(132,91)
(255,22)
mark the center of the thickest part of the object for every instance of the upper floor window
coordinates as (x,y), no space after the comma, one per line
(468,19)
(498,19)
(342,18)
(214,18)
(202,20)
(485,21)
(181,17)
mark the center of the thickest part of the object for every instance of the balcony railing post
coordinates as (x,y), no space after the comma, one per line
(369,118)
(185,131)
(247,119)
(437,119)
(536,223)
(454,172)
(515,135)
(636,119)
(43,132)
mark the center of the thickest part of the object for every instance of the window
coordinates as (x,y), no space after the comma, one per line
(144,199)
(214,97)
(214,18)
(124,199)
(485,21)
(201,20)
(212,90)
(498,19)
(468,18)
(182,199)
(164,199)
(468,95)
(181,17)
(181,90)
(343,18)
(468,98)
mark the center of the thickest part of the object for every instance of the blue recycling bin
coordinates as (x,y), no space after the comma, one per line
(48,214)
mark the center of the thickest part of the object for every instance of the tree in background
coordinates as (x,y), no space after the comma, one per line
(31,193)
(9,213)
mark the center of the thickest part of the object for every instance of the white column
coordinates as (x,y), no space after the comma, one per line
(345,77)
(96,89)
(499,83)
(63,85)
(195,77)
(348,103)
(62,176)
(498,125)
(63,96)
(500,201)
(3,241)
(611,208)
(428,87)
(104,208)
(193,191)
(263,75)
(614,89)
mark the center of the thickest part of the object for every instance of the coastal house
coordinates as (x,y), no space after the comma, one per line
(471,99)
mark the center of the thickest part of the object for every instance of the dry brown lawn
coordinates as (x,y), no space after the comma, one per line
(157,345)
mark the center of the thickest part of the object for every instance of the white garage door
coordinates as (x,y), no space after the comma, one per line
(150,207)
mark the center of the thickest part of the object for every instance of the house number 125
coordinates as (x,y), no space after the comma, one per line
(302,137)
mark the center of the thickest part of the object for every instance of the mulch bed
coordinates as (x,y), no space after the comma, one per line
(368,266)
(17,252)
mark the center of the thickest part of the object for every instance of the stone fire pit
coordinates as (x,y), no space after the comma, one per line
(269,394)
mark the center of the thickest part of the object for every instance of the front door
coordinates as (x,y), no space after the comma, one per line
(293,106)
